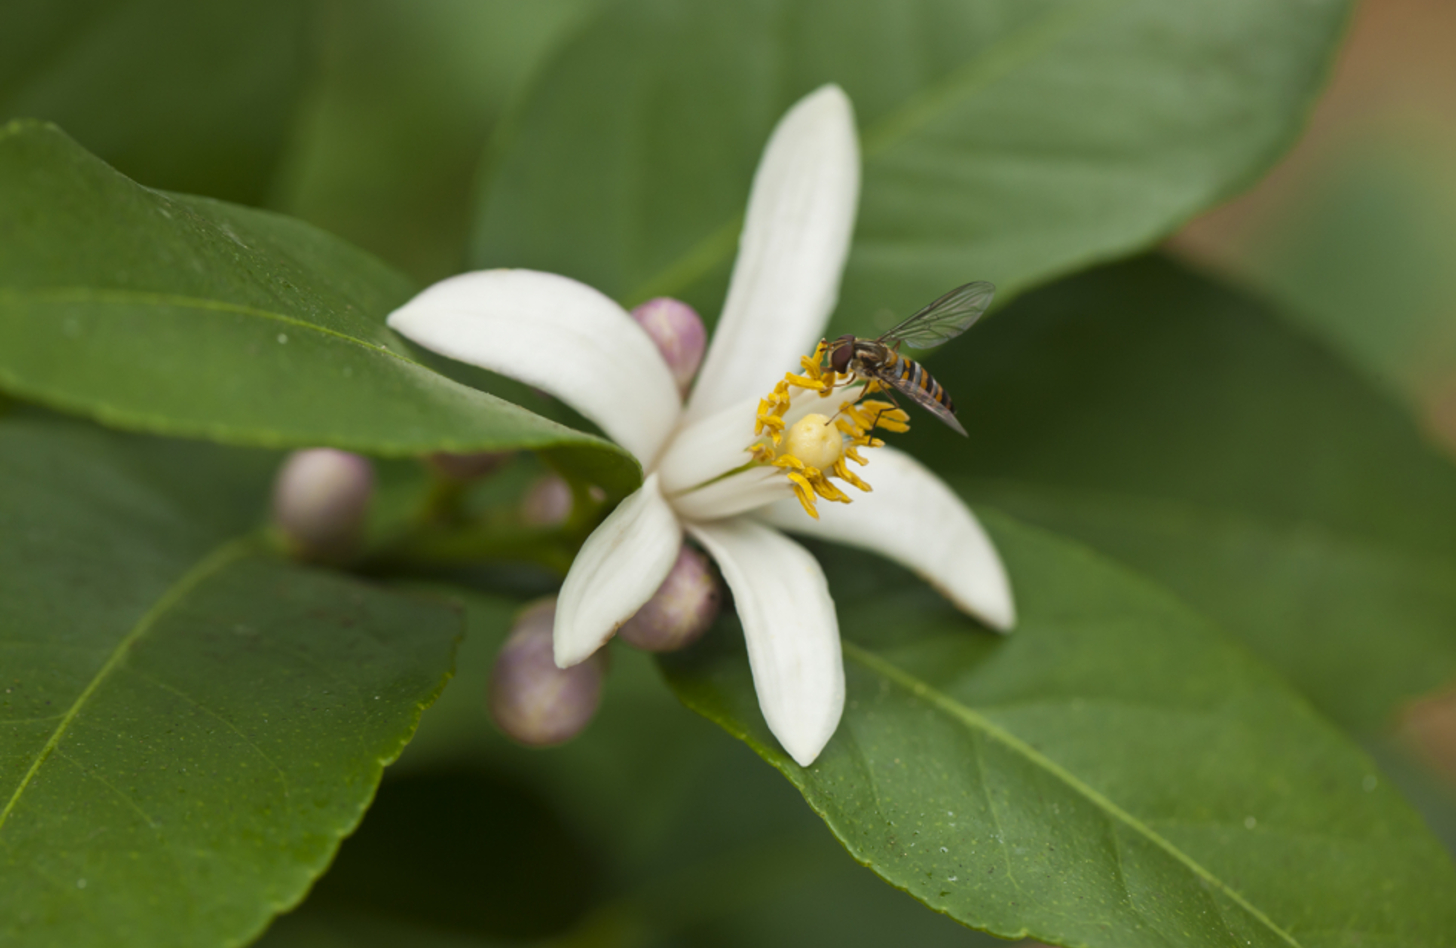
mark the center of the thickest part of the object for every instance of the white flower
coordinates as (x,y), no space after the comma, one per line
(572,341)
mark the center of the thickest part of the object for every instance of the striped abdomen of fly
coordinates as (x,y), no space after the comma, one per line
(875,360)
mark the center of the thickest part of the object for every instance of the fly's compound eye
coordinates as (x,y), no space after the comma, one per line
(840,355)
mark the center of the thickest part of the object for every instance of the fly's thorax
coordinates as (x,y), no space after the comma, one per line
(871,357)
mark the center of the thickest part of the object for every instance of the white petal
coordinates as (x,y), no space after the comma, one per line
(913,518)
(790,627)
(618,569)
(795,239)
(733,495)
(559,335)
(710,447)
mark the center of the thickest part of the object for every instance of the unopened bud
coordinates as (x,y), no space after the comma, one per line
(547,502)
(681,610)
(533,701)
(678,331)
(467,467)
(320,501)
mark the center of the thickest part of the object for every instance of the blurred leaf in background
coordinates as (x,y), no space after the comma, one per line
(404,99)
(1003,140)
(1355,232)
(181,95)
(1191,432)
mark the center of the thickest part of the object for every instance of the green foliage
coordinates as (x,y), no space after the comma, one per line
(677,835)
(1184,429)
(1112,773)
(1008,141)
(190,724)
(181,95)
(404,102)
(189,317)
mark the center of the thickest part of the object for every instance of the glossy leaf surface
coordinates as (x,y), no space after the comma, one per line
(1008,141)
(184,316)
(652,829)
(1110,774)
(188,725)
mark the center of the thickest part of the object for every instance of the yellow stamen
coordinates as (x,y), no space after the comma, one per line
(817,448)
(805,492)
(842,471)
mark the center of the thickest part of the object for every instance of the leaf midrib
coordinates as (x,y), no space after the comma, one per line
(978,722)
(218,559)
(146,297)
(966,80)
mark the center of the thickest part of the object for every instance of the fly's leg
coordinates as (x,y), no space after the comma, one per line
(890,394)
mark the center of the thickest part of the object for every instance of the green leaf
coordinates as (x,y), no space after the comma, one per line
(404,102)
(188,725)
(1189,432)
(1005,140)
(1110,774)
(679,835)
(185,316)
(188,96)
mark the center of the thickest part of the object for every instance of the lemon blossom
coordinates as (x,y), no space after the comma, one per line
(752,450)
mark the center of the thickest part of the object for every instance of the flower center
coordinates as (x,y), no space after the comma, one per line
(814,447)
(815,441)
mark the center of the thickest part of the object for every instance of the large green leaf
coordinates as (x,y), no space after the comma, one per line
(181,95)
(188,725)
(1110,774)
(190,317)
(1187,430)
(677,834)
(1004,140)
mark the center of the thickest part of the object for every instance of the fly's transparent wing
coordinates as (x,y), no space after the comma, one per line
(924,400)
(943,319)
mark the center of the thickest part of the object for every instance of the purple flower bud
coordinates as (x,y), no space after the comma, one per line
(681,610)
(533,701)
(320,501)
(467,467)
(547,502)
(678,331)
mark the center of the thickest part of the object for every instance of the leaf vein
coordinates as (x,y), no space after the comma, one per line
(989,728)
(210,564)
(109,296)
(282,776)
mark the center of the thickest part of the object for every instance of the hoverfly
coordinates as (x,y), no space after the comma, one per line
(880,360)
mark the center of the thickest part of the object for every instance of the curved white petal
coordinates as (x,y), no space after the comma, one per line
(795,239)
(618,569)
(710,447)
(913,518)
(790,627)
(556,334)
(733,495)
